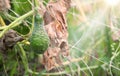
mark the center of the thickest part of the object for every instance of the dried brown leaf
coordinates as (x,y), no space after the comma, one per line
(56,27)
(9,40)
(4,5)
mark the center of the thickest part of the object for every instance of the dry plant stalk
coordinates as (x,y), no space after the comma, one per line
(4,5)
(56,27)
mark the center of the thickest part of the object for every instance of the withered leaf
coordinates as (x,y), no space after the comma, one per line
(4,5)
(50,57)
(56,27)
(9,40)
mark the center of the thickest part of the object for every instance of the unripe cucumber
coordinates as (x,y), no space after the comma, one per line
(39,39)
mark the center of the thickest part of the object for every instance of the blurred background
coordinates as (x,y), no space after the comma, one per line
(94,36)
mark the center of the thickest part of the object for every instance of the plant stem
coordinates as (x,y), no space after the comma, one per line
(25,61)
(2,22)
(68,62)
(3,27)
(65,72)
(9,16)
(13,24)
(23,56)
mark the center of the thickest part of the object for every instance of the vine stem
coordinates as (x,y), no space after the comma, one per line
(25,61)
(24,57)
(68,62)
(17,21)
(65,72)
(2,21)
(3,27)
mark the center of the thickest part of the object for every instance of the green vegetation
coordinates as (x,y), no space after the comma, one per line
(39,40)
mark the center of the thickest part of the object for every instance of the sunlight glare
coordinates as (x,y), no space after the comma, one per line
(112,2)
